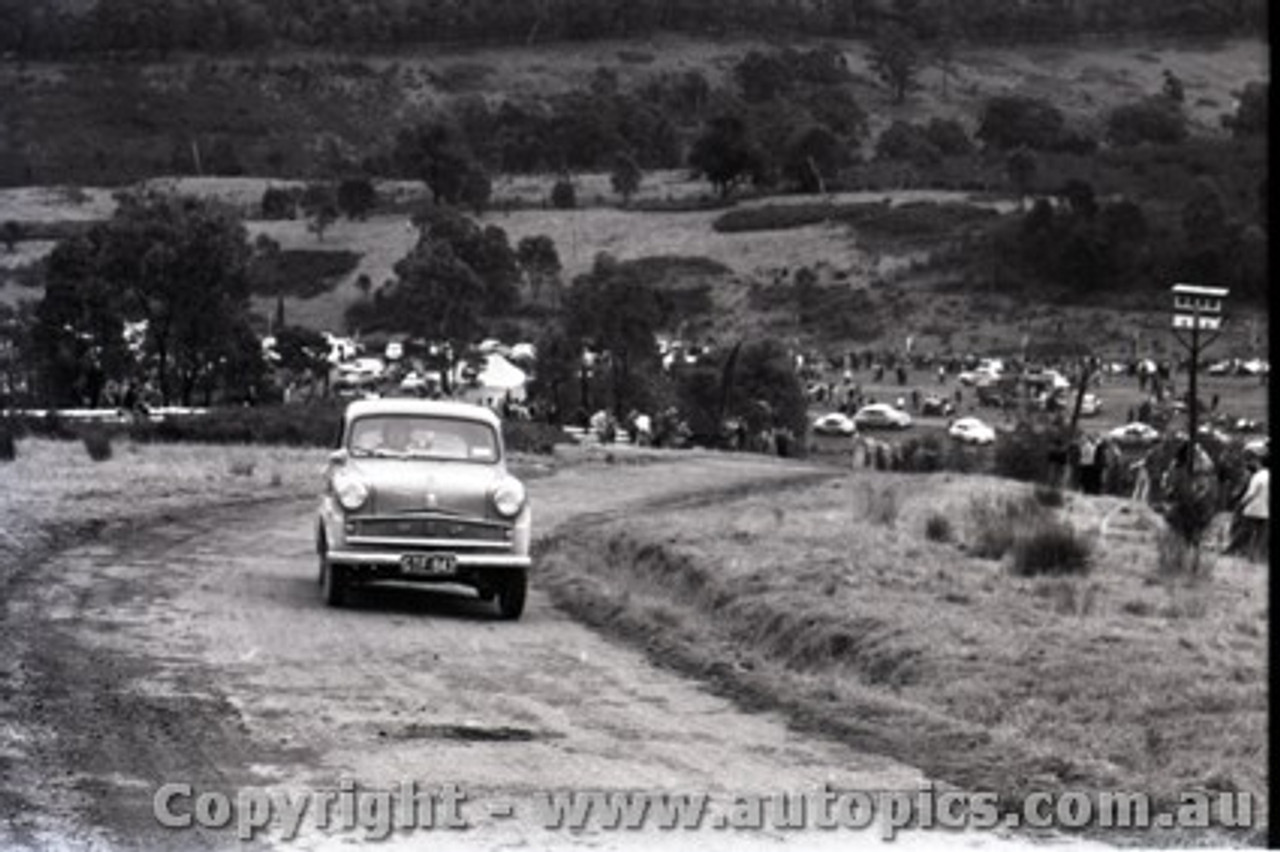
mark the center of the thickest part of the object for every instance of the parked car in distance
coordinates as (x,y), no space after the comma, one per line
(1090,405)
(971,430)
(418,492)
(1134,434)
(878,415)
(835,423)
(973,377)
(937,406)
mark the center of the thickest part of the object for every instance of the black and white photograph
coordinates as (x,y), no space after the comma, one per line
(627,425)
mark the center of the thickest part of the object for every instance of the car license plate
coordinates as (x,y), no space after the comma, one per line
(428,564)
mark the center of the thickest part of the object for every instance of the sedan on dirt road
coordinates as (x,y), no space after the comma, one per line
(418,492)
(878,415)
(971,430)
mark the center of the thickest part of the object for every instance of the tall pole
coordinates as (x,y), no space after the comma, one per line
(1193,403)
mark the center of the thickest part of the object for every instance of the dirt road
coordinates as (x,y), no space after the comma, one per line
(200,653)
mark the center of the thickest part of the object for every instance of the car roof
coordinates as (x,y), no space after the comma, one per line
(421,408)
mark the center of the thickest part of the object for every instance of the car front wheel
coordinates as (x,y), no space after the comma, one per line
(511,595)
(333,582)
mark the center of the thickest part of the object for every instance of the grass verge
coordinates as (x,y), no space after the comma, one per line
(53,495)
(796,600)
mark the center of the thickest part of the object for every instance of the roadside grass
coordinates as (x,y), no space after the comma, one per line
(797,600)
(53,494)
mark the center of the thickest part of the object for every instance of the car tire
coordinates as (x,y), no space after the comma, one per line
(511,596)
(333,582)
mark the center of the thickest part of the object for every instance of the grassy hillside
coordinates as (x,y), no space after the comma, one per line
(903,632)
(307,113)
(875,278)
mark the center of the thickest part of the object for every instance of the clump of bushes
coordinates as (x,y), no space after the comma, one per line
(996,523)
(1051,548)
(1023,454)
(311,425)
(564,196)
(923,455)
(938,528)
(1191,503)
(98,445)
(523,436)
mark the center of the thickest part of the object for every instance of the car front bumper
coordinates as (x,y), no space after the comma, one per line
(393,558)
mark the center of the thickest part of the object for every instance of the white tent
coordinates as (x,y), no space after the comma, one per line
(497,378)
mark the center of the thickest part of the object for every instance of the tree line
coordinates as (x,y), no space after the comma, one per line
(53,29)
(152,307)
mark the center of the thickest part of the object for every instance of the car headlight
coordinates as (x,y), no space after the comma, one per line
(350,490)
(508,497)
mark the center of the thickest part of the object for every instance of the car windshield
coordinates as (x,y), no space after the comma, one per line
(417,436)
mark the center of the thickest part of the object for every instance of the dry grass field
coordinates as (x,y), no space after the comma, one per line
(53,493)
(851,606)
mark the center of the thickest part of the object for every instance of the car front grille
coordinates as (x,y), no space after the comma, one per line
(430,528)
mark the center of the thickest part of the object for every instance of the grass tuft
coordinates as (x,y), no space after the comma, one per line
(1179,560)
(98,446)
(881,504)
(241,467)
(996,522)
(938,528)
(1051,548)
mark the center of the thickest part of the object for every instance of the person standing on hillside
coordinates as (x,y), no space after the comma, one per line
(1252,532)
(1090,470)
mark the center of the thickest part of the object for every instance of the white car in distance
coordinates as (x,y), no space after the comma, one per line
(878,415)
(971,430)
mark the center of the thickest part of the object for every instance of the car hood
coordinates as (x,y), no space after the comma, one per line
(413,485)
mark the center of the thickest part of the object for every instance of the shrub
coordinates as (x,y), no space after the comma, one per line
(563,195)
(97,445)
(938,528)
(8,443)
(905,141)
(1023,454)
(357,196)
(523,436)
(1154,120)
(923,455)
(51,426)
(280,203)
(1051,548)
(995,524)
(311,425)
(1191,503)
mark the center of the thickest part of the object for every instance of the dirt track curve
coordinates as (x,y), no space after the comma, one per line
(199,652)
